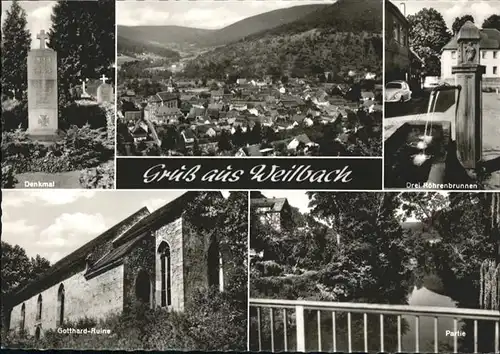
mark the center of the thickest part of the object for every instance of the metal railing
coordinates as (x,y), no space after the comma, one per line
(373,309)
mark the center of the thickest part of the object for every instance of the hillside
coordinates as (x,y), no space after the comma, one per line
(132,47)
(344,36)
(178,35)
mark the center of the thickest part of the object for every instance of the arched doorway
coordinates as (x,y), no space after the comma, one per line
(143,287)
(37,333)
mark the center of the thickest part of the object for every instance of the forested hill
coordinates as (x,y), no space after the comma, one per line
(132,47)
(178,35)
(344,36)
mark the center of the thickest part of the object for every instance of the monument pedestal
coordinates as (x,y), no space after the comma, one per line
(42,93)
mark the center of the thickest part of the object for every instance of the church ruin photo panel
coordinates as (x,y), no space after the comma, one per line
(58,101)
(249,78)
(366,271)
(125,270)
(442,101)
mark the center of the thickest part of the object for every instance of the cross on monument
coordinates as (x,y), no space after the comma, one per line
(42,36)
(104,78)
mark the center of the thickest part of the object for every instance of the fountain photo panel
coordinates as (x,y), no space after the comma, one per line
(441,98)
(58,102)
(366,271)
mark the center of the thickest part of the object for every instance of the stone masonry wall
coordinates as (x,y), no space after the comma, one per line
(172,234)
(96,298)
(196,264)
(141,258)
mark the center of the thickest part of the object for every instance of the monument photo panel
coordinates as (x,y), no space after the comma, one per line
(249,78)
(166,271)
(442,101)
(58,101)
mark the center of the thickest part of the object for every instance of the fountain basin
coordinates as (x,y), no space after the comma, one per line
(405,143)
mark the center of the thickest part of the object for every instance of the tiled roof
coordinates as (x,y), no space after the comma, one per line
(490,39)
(276,204)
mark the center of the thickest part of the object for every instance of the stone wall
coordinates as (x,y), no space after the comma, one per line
(201,262)
(95,298)
(172,234)
(142,257)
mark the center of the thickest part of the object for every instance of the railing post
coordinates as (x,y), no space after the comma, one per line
(301,338)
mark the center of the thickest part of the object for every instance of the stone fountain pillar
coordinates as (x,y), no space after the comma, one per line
(469,74)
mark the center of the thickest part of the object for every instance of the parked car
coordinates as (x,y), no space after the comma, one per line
(397,91)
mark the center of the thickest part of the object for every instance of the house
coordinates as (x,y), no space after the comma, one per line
(298,140)
(217,95)
(132,116)
(241,81)
(401,62)
(146,258)
(308,122)
(275,212)
(489,56)
(165,98)
(188,136)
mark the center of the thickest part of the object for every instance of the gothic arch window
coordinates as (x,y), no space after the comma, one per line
(39,308)
(143,287)
(23,316)
(37,333)
(166,277)
(60,305)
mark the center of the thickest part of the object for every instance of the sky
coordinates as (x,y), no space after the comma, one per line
(298,199)
(54,223)
(198,14)
(480,10)
(38,16)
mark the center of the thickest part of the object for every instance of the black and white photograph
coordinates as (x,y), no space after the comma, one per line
(374,272)
(127,270)
(249,78)
(58,101)
(442,95)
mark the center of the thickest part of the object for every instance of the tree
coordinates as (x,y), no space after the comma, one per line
(82,34)
(16,42)
(492,22)
(459,22)
(17,270)
(428,35)
(224,143)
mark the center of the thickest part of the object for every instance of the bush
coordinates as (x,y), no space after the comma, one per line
(99,177)
(213,322)
(14,115)
(8,178)
(79,149)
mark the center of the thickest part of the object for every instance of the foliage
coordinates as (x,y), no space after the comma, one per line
(144,69)
(459,22)
(492,22)
(8,178)
(428,35)
(83,35)
(18,269)
(132,47)
(79,148)
(16,42)
(14,114)
(99,177)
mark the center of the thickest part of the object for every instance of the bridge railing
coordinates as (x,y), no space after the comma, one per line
(299,306)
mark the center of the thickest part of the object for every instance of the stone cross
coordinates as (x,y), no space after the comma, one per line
(104,78)
(42,36)
(469,74)
(83,86)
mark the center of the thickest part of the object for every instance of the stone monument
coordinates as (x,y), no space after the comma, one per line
(84,89)
(469,74)
(42,92)
(104,91)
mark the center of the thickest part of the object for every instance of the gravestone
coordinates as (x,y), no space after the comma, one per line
(42,92)
(104,91)
(84,89)
(469,74)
